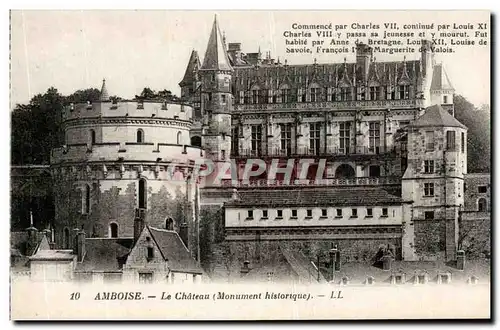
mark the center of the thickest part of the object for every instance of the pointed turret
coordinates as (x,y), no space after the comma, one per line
(190,76)
(440,80)
(104,97)
(216,56)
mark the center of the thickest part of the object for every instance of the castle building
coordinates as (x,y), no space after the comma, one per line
(123,161)
(381,137)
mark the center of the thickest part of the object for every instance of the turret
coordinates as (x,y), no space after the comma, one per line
(104,97)
(441,89)
(190,80)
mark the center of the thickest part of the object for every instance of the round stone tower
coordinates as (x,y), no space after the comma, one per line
(123,160)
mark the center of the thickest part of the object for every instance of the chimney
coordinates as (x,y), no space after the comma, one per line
(234,51)
(183,233)
(32,240)
(426,56)
(80,245)
(460,259)
(364,54)
(139,223)
(337,260)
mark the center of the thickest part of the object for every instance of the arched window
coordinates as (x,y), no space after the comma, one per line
(92,137)
(86,199)
(140,136)
(142,194)
(482,205)
(169,224)
(66,238)
(179,138)
(113,229)
(345,171)
(196,141)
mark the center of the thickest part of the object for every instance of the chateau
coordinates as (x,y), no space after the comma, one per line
(354,162)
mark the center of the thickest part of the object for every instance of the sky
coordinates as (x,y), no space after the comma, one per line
(73,50)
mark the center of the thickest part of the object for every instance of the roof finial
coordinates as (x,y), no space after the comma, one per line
(104,92)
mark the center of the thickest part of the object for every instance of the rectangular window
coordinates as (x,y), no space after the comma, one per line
(374,93)
(294,213)
(314,137)
(428,166)
(450,140)
(300,95)
(361,93)
(429,141)
(374,137)
(235,139)
(428,189)
(309,213)
(369,212)
(482,189)
(315,94)
(270,96)
(339,213)
(255,96)
(344,137)
(390,93)
(404,92)
(223,98)
(250,214)
(242,97)
(256,139)
(279,213)
(145,277)
(329,94)
(286,138)
(151,253)
(429,215)
(324,213)
(463,141)
(345,93)
(264,213)
(385,212)
(354,213)
(445,99)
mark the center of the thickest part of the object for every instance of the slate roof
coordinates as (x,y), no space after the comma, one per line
(440,80)
(315,197)
(302,266)
(104,254)
(191,70)
(53,255)
(216,56)
(436,116)
(174,251)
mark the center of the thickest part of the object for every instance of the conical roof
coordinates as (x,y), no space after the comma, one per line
(192,67)
(216,56)
(436,116)
(440,80)
(104,92)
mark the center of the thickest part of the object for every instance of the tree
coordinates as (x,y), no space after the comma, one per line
(83,95)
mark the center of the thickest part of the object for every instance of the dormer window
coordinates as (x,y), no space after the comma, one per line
(404,92)
(444,278)
(473,280)
(370,280)
(398,278)
(345,280)
(421,278)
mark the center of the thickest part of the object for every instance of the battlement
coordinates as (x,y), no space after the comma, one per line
(146,108)
(130,152)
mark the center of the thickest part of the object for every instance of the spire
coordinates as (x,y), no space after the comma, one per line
(216,56)
(440,80)
(104,92)
(191,70)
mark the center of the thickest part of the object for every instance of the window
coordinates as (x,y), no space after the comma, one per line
(66,242)
(421,278)
(385,212)
(113,230)
(429,141)
(398,278)
(370,280)
(354,213)
(300,95)
(286,138)
(150,253)
(179,137)
(445,99)
(324,213)
(374,93)
(285,95)
(270,96)
(92,137)
(264,214)
(482,205)
(242,97)
(374,136)
(235,139)
(428,189)
(429,215)
(250,214)
(345,93)
(279,214)
(86,199)
(339,213)
(255,96)
(428,166)
(329,94)
(309,214)
(462,144)
(314,137)
(140,136)
(169,224)
(482,189)
(450,140)
(145,277)
(369,212)
(444,278)
(404,92)
(256,138)
(361,94)
(344,137)
(294,213)
(390,93)
(374,171)
(223,98)
(315,92)
(142,194)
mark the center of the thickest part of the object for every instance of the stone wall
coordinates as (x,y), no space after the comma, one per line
(430,239)
(475,238)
